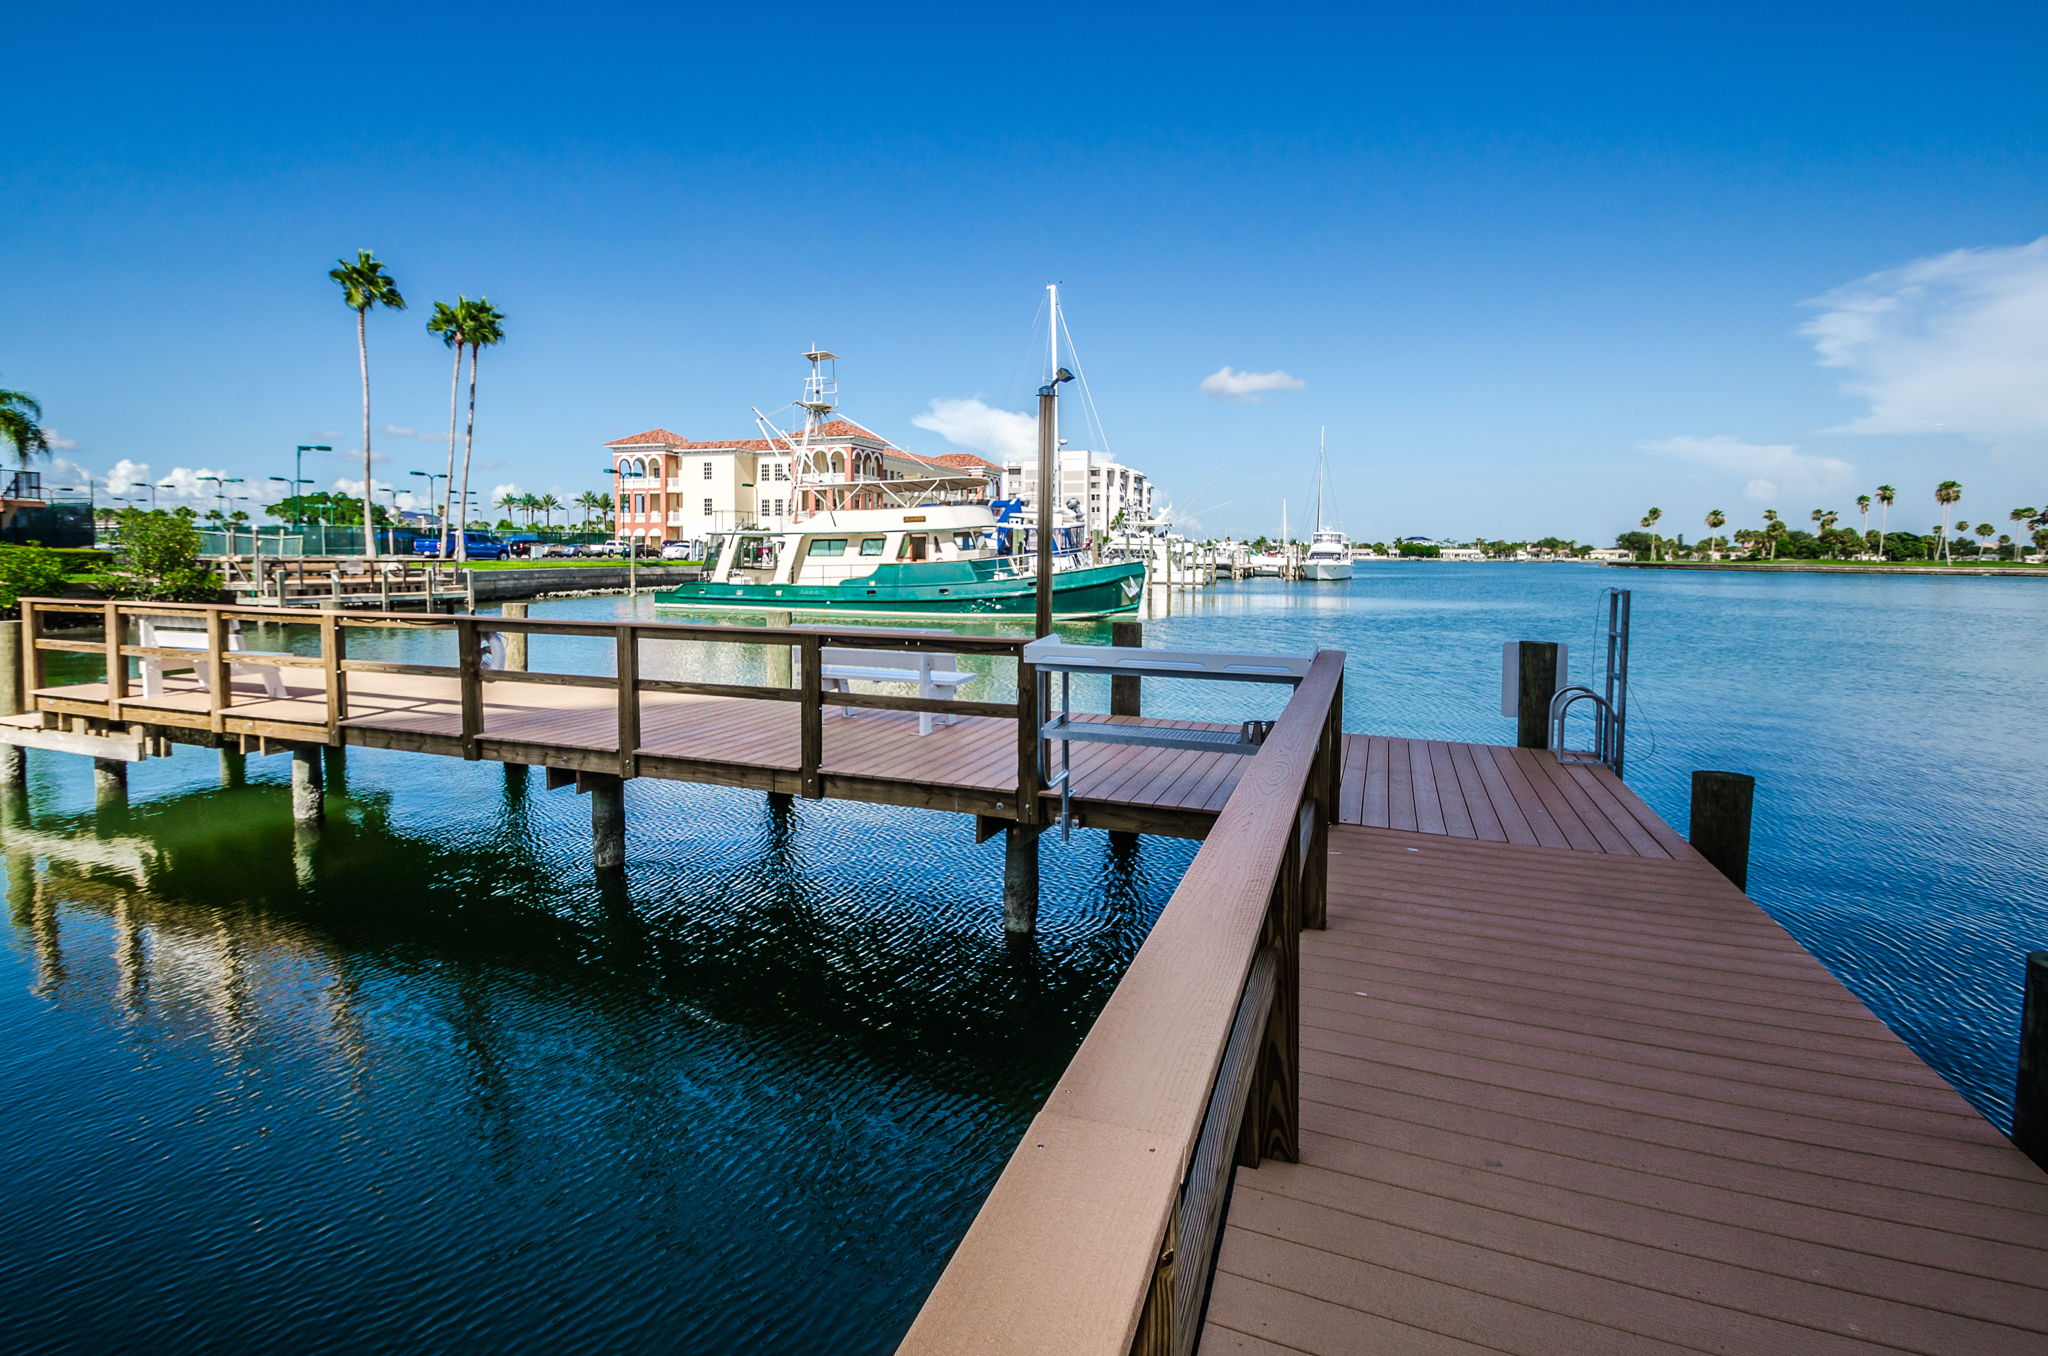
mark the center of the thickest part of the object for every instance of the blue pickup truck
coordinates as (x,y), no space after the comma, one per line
(476,546)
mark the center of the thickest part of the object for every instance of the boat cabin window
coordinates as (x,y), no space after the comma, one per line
(757,553)
(913,547)
(966,541)
(829,546)
(871,546)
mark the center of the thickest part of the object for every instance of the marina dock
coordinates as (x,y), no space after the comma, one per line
(1436,1047)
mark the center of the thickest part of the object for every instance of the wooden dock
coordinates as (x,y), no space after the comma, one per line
(1555,1101)
(1561,1089)
(1437,1047)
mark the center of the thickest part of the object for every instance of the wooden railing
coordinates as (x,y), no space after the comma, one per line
(1100,1235)
(288,577)
(624,686)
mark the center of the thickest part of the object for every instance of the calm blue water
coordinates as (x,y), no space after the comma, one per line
(422,1085)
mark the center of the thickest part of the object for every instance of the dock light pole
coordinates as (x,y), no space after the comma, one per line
(632,551)
(430,477)
(299,471)
(1048,500)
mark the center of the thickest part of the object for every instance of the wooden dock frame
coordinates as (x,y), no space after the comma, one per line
(587,728)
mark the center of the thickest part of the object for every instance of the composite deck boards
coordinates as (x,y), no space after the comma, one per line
(1593,1100)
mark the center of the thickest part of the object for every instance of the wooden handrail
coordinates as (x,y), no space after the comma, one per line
(1099,1234)
(627,637)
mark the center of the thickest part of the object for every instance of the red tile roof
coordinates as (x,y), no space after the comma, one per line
(967,461)
(652,437)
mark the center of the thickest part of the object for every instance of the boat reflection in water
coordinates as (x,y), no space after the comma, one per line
(418,1082)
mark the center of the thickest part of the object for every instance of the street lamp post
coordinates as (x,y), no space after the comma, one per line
(430,477)
(299,471)
(632,554)
(220,485)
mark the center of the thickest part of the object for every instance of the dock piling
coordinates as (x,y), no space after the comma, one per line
(2030,1099)
(1721,806)
(233,766)
(515,641)
(780,671)
(1020,879)
(13,761)
(109,784)
(1125,695)
(308,785)
(1535,685)
(607,820)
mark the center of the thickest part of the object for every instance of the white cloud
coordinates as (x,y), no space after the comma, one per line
(996,434)
(58,442)
(398,431)
(1769,470)
(1226,383)
(1955,343)
(353,489)
(500,492)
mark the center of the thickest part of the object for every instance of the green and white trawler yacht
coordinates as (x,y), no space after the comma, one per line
(862,543)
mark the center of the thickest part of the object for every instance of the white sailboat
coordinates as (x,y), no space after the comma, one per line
(1329,550)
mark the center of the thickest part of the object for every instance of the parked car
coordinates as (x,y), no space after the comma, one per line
(475,545)
(682,550)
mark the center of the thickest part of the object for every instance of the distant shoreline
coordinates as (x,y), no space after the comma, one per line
(1824,567)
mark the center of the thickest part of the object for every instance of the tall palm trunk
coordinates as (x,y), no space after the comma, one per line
(468,445)
(363,361)
(448,498)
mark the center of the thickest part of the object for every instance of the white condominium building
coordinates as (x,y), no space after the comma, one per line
(1098,482)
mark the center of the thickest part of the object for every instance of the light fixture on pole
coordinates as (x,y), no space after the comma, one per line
(1048,508)
(299,470)
(632,548)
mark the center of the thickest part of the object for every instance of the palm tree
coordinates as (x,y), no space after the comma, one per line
(364,284)
(1715,521)
(447,322)
(1776,532)
(1984,533)
(1649,523)
(1947,493)
(587,501)
(1885,495)
(1863,507)
(483,326)
(547,504)
(604,507)
(21,426)
(2024,517)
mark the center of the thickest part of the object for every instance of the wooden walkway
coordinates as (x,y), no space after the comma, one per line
(1586,1097)
(970,766)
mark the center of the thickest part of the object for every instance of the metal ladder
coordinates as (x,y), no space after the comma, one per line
(1610,709)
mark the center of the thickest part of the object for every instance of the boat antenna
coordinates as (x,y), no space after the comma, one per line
(1048,446)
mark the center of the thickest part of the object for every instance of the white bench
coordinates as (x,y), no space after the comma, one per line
(189,633)
(936,675)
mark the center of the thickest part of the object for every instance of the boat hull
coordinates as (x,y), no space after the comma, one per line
(1326,571)
(1091,591)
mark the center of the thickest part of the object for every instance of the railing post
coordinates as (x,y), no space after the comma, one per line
(629,701)
(1126,695)
(1027,742)
(469,683)
(219,693)
(1274,1114)
(13,760)
(117,667)
(1721,807)
(2030,1098)
(31,650)
(334,649)
(811,710)
(1535,684)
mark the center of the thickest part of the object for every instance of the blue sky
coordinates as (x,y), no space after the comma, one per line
(1536,270)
